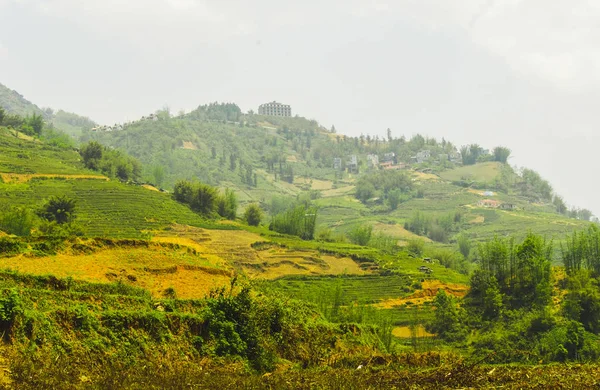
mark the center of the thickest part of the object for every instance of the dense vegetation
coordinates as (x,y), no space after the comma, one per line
(349,259)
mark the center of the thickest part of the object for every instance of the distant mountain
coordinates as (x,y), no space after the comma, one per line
(14,103)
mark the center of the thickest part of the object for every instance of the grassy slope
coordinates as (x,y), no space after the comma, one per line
(105,208)
(160,142)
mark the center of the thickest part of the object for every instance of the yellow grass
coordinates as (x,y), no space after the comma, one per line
(427,293)
(337,191)
(189,145)
(23,178)
(149,187)
(154,269)
(425,176)
(315,184)
(397,231)
(477,220)
(403,332)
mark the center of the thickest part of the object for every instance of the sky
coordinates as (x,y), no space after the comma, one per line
(520,73)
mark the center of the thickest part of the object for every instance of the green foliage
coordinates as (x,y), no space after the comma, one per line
(297,221)
(10,308)
(158,174)
(464,245)
(522,271)
(581,250)
(205,199)
(470,153)
(361,235)
(394,198)
(582,302)
(448,322)
(59,209)
(92,155)
(17,220)
(10,246)
(415,247)
(36,122)
(253,214)
(385,184)
(226,204)
(110,162)
(533,186)
(501,154)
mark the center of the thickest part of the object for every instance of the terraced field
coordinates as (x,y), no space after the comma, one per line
(153,267)
(109,209)
(28,156)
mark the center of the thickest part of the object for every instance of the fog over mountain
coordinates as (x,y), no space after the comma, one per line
(525,74)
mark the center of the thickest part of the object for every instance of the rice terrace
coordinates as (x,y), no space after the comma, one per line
(218,248)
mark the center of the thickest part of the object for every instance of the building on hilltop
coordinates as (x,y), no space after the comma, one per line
(274,109)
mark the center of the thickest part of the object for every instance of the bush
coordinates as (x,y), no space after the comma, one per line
(361,235)
(59,209)
(253,214)
(299,221)
(9,246)
(18,221)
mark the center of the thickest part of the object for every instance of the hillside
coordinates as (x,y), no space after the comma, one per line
(14,103)
(263,158)
(141,290)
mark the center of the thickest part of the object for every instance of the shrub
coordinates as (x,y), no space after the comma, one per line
(18,221)
(253,214)
(361,235)
(299,221)
(59,209)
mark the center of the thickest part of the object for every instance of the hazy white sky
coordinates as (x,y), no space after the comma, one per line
(522,73)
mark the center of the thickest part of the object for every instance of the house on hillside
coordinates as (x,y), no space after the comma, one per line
(489,203)
(421,157)
(337,164)
(508,206)
(352,164)
(373,160)
(389,157)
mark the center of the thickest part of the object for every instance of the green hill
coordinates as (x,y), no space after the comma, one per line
(14,103)
(33,171)
(262,157)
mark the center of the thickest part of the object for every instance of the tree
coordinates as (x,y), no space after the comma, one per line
(213,152)
(227,205)
(91,154)
(464,245)
(36,121)
(448,318)
(18,221)
(394,198)
(582,302)
(361,235)
(501,154)
(253,214)
(159,175)
(560,205)
(204,199)
(183,191)
(59,209)
(585,214)
(2,115)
